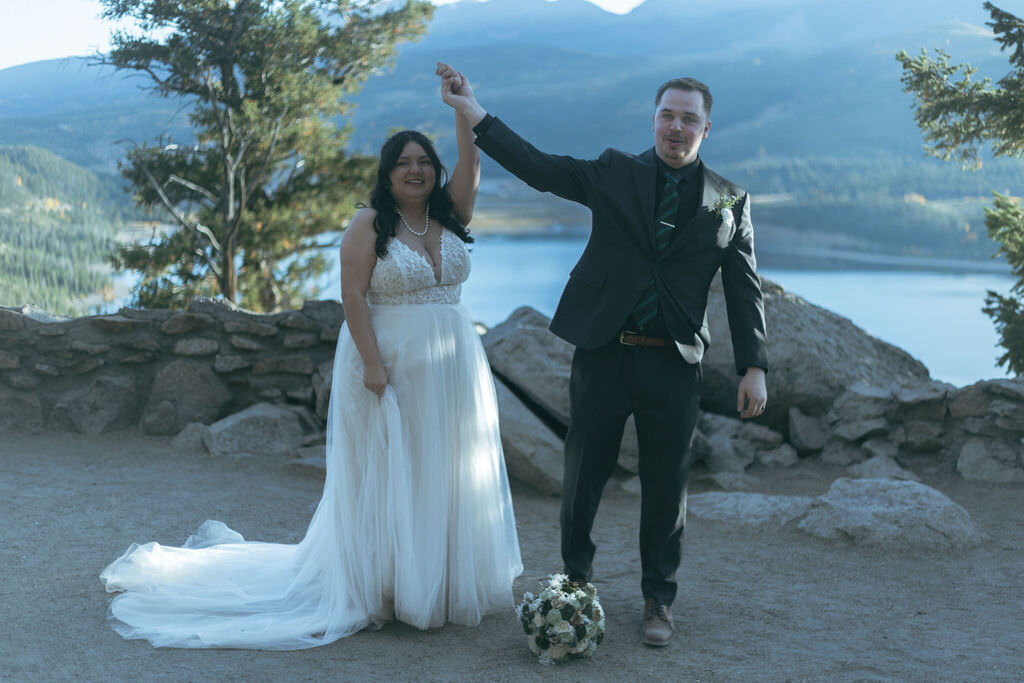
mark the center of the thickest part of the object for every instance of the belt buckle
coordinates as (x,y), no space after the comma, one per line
(622,338)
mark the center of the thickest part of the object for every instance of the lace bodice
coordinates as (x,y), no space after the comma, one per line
(404,276)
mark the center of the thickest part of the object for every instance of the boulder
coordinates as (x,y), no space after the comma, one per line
(533,454)
(924,401)
(524,353)
(813,356)
(723,456)
(261,429)
(734,444)
(183,391)
(750,509)
(890,514)
(992,460)
(190,439)
(860,429)
(862,402)
(923,435)
(107,403)
(807,433)
(970,401)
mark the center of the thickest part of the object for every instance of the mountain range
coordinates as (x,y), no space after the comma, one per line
(808,102)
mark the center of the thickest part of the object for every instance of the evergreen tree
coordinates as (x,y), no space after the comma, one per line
(957,115)
(265,82)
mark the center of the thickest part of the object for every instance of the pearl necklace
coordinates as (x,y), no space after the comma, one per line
(408,227)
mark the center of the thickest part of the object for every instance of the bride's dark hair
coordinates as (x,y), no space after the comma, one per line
(439,203)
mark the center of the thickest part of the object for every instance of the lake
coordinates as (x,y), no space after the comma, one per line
(934,315)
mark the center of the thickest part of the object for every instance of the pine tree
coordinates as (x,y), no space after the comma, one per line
(958,115)
(265,82)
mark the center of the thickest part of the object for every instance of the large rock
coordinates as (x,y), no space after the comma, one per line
(807,433)
(984,459)
(890,514)
(531,358)
(533,454)
(734,444)
(182,392)
(925,401)
(723,454)
(813,356)
(262,429)
(107,403)
(751,509)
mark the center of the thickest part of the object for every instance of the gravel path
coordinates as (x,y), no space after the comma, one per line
(754,605)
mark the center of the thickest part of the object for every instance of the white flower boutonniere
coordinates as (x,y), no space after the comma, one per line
(725,203)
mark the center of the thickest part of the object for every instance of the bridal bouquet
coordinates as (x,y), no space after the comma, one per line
(563,621)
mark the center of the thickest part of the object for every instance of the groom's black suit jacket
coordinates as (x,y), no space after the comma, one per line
(620,257)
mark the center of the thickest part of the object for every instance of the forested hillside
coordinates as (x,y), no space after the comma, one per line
(58,222)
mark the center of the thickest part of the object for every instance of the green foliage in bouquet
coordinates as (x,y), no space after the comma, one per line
(563,621)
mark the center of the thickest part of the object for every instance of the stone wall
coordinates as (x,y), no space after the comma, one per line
(872,411)
(978,429)
(160,369)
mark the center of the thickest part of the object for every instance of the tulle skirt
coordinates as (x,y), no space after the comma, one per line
(415,522)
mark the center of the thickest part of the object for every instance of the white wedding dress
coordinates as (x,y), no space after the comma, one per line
(415,522)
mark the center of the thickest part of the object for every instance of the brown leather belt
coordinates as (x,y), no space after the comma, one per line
(634,339)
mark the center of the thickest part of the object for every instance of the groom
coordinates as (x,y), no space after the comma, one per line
(634,307)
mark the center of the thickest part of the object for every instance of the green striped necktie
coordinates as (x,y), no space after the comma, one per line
(668,208)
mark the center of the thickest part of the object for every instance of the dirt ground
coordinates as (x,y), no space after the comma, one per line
(753,605)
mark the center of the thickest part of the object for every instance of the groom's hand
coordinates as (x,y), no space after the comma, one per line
(458,94)
(752,397)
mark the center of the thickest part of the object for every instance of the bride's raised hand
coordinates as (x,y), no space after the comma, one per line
(455,87)
(375,378)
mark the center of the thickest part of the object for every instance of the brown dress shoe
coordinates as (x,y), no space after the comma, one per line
(657,627)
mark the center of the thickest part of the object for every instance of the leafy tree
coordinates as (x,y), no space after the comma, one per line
(957,115)
(264,81)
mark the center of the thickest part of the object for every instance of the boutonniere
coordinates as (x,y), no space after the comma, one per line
(725,202)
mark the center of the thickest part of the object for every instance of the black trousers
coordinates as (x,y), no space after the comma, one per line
(662,392)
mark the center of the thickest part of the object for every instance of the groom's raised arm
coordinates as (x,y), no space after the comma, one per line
(565,176)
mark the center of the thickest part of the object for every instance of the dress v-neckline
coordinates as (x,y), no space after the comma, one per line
(437,272)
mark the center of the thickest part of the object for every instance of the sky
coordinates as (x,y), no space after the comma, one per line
(32,30)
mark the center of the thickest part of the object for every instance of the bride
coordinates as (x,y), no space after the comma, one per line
(415,522)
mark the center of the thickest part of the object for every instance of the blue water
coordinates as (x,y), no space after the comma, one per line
(935,316)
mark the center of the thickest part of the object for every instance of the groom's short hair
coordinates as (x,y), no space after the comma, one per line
(691,84)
